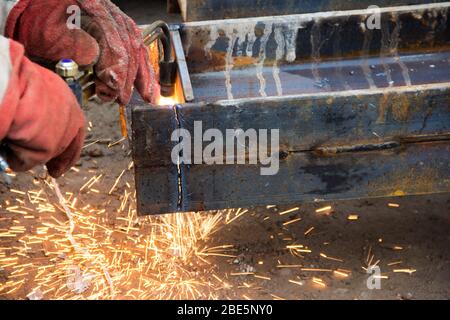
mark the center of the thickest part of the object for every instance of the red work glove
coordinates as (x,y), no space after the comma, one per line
(108,38)
(41,121)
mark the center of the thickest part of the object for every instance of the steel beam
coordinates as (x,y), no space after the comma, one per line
(360,113)
(198,10)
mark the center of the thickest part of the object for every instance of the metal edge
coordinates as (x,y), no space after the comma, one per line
(182,65)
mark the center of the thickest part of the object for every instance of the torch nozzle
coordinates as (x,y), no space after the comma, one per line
(4,168)
(167,77)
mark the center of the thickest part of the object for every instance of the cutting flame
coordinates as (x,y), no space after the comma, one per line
(166,101)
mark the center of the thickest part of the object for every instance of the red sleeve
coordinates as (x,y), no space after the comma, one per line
(39,114)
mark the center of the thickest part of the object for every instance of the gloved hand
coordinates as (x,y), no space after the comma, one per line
(108,38)
(41,121)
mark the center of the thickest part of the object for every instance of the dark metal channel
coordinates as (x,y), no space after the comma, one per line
(197,10)
(360,113)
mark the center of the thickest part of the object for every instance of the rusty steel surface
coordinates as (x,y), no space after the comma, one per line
(331,147)
(361,113)
(198,10)
(295,39)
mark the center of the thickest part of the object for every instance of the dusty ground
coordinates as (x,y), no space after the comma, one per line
(419,227)
(415,235)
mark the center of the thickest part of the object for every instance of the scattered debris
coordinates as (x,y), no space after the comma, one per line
(394,263)
(309,231)
(326,210)
(289,211)
(341,273)
(299,283)
(319,282)
(291,221)
(409,271)
(393,205)
(323,255)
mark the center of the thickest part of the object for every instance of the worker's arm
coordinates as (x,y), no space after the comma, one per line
(107,38)
(40,120)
